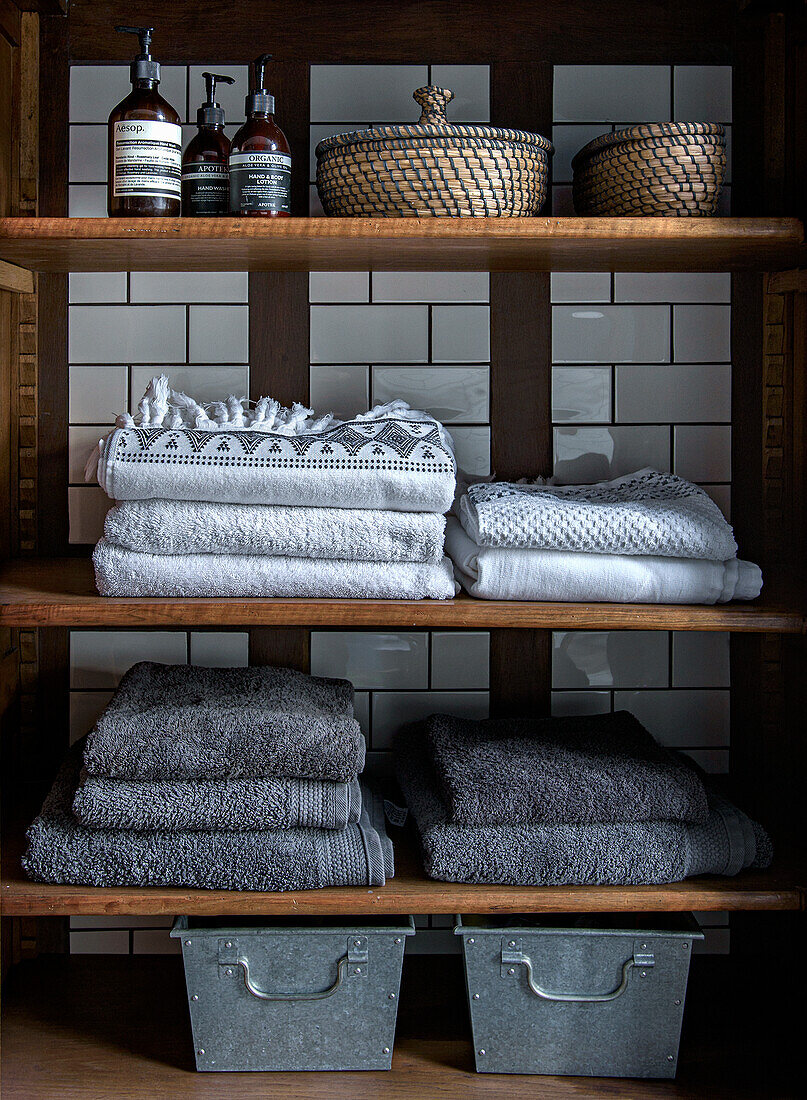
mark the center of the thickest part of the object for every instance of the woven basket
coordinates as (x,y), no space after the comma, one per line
(667,169)
(433,169)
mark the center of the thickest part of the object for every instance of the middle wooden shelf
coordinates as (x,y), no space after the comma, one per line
(780,887)
(38,592)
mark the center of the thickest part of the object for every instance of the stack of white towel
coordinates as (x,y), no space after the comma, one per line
(647,537)
(228,500)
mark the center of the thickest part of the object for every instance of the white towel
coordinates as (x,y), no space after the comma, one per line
(121,572)
(192,527)
(391,457)
(563,576)
(647,513)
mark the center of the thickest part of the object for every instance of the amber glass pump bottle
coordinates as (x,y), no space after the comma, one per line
(145,144)
(260,158)
(205,176)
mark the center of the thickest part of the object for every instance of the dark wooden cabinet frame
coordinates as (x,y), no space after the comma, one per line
(767,46)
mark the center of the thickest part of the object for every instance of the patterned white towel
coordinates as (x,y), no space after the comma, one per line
(391,457)
(646,513)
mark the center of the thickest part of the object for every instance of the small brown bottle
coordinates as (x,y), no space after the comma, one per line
(145,144)
(205,174)
(260,158)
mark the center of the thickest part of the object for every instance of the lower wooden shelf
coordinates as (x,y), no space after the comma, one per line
(780,887)
(61,592)
(82,1028)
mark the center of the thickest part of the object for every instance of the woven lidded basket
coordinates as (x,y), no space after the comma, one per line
(667,169)
(433,169)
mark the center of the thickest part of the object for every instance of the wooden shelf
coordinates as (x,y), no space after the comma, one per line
(781,887)
(61,592)
(86,1027)
(402,244)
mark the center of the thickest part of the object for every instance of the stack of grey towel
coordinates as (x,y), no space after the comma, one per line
(588,800)
(228,778)
(228,500)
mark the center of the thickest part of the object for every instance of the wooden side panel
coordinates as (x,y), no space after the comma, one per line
(51,417)
(520,394)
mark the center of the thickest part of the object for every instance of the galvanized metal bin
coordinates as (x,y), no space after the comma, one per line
(602,999)
(293,995)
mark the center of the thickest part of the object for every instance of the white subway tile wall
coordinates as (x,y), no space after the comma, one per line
(640,377)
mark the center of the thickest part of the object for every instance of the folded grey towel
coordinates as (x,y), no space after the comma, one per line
(619,854)
(183,722)
(560,771)
(61,850)
(267,802)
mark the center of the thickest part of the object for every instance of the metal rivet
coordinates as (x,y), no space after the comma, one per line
(471,940)
(200,1050)
(476,996)
(512,943)
(685,946)
(644,947)
(229,971)
(644,973)
(195,997)
(677,1001)
(670,1057)
(358,970)
(229,943)
(385,1050)
(187,943)
(392,996)
(397,939)
(482,1052)
(512,970)
(357,943)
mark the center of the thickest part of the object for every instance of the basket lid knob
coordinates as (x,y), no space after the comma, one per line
(433,101)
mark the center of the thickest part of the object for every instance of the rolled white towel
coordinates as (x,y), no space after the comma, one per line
(568,576)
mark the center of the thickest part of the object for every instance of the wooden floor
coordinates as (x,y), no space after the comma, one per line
(61,592)
(107,1028)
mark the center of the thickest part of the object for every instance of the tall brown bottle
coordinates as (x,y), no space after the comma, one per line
(145,144)
(260,158)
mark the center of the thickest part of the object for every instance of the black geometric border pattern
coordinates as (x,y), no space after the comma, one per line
(375,444)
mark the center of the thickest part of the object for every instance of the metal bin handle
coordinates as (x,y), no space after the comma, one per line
(243,962)
(510,958)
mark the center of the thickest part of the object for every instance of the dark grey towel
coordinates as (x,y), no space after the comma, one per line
(562,855)
(263,803)
(183,722)
(60,850)
(557,771)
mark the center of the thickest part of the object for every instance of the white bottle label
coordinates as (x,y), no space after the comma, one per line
(260,181)
(147,159)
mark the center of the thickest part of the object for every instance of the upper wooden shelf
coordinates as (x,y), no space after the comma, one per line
(61,592)
(402,244)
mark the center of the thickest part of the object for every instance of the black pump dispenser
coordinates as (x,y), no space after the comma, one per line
(205,174)
(259,101)
(143,67)
(211,113)
(260,158)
